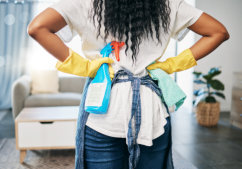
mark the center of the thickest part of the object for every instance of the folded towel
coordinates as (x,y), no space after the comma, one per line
(173,95)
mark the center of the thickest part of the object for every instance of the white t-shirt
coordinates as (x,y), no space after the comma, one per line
(153,112)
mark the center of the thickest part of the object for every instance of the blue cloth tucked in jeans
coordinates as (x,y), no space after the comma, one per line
(133,147)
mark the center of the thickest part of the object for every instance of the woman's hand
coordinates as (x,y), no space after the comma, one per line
(77,65)
(183,61)
(98,56)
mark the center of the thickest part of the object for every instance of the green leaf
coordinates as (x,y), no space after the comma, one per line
(207,77)
(216,84)
(198,99)
(199,82)
(215,74)
(199,92)
(212,72)
(193,102)
(202,93)
(219,94)
(197,74)
(210,99)
(196,92)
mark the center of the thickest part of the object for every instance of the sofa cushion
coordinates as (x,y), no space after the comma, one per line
(44,81)
(71,84)
(53,99)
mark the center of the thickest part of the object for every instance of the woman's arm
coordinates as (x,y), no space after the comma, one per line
(43,27)
(214,33)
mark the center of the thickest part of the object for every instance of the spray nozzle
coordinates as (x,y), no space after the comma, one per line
(116,46)
(107,50)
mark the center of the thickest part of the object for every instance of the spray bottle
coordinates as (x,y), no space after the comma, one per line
(98,94)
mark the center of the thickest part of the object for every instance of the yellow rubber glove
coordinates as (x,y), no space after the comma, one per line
(77,65)
(183,61)
(111,71)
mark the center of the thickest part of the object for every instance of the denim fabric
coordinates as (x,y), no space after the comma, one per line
(105,152)
(133,147)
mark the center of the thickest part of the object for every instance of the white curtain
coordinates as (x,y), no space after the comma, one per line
(14,18)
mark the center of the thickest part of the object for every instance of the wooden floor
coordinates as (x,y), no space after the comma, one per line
(218,147)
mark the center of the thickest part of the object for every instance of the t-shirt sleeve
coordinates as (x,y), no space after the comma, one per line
(186,15)
(70,11)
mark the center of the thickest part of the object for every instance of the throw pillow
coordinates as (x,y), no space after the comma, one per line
(44,81)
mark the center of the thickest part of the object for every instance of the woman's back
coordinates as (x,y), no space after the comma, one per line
(78,16)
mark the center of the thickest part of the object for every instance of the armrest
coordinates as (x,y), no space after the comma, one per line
(20,91)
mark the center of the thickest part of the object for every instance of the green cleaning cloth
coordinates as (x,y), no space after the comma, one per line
(173,95)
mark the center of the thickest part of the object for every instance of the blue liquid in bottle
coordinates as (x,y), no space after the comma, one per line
(98,93)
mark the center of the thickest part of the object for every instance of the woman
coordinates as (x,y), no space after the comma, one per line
(113,140)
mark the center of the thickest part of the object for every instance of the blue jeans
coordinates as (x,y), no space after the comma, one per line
(105,152)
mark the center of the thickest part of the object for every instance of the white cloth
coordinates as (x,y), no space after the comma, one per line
(153,112)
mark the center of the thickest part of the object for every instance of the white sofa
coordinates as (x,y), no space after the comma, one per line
(70,92)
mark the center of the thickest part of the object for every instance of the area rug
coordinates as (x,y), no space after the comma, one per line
(53,159)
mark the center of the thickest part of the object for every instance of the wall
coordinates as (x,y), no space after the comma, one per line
(185,78)
(228,55)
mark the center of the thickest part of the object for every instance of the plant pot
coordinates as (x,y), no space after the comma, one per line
(207,114)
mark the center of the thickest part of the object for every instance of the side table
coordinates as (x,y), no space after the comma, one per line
(46,128)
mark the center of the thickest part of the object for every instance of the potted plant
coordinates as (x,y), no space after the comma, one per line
(207,107)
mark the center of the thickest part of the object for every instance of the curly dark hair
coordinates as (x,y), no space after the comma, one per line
(136,17)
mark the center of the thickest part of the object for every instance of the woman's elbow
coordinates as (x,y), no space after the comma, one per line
(36,28)
(227,35)
(224,34)
(32,29)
